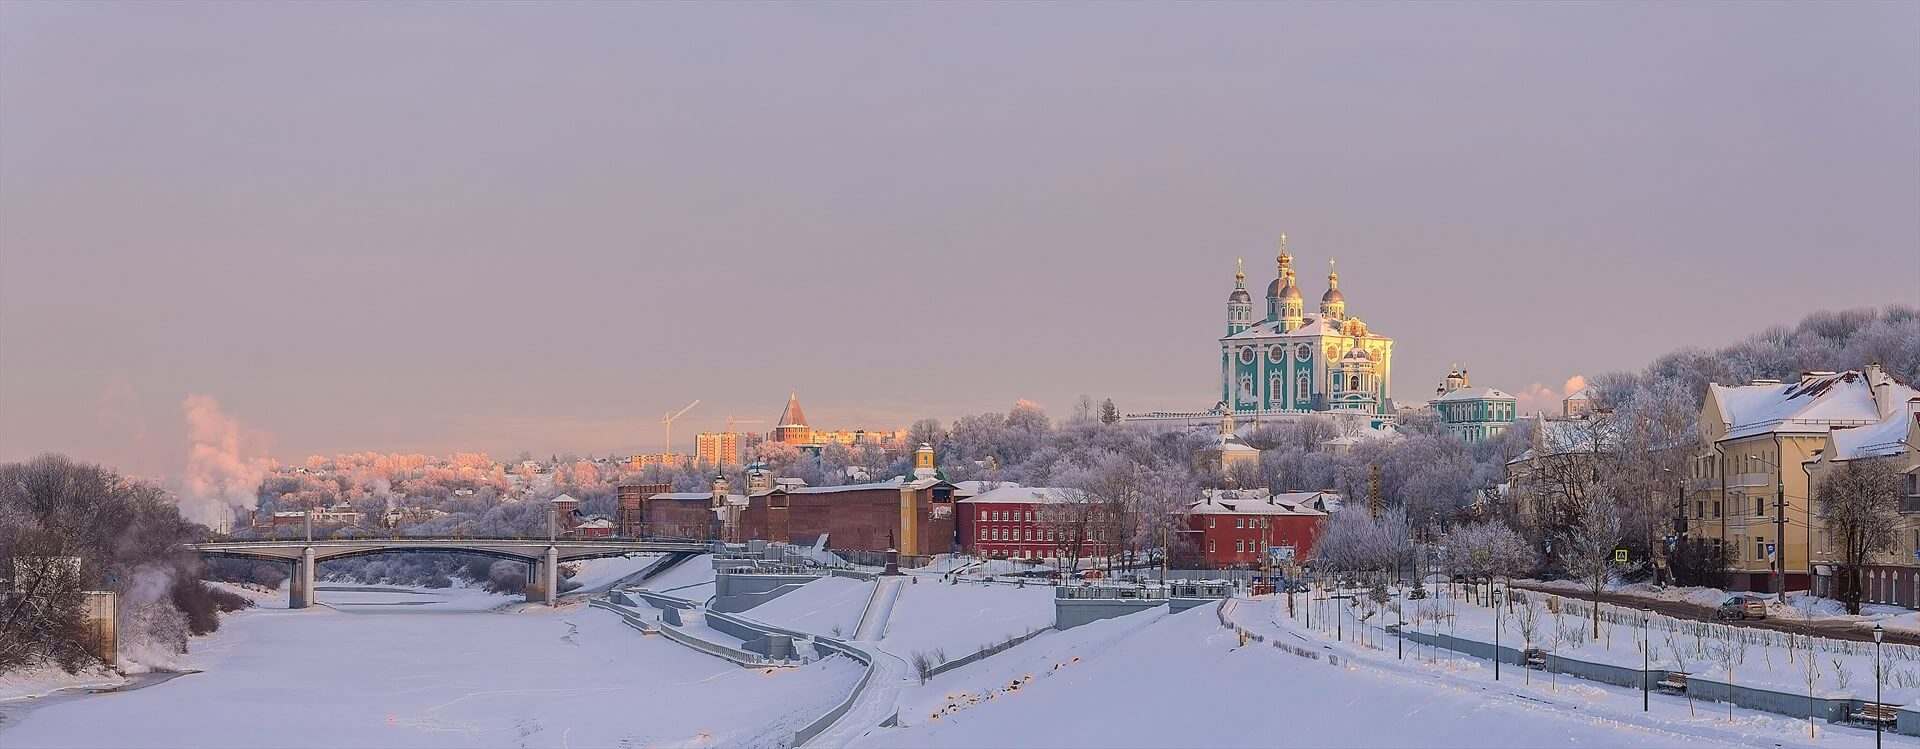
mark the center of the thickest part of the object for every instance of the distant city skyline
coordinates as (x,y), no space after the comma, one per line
(290,229)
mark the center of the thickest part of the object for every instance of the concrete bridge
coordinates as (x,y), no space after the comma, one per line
(542,556)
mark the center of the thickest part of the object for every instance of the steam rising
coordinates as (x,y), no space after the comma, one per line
(224,466)
(1539,397)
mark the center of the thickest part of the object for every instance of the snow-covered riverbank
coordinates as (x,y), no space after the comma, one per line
(432,668)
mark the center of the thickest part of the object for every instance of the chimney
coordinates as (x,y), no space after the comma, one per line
(1882,386)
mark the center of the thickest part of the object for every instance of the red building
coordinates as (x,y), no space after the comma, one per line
(1025,522)
(1236,527)
(914,517)
(682,515)
(630,517)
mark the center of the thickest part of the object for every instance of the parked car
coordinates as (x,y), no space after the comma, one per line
(1743,607)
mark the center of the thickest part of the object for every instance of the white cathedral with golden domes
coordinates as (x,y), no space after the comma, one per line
(1294,362)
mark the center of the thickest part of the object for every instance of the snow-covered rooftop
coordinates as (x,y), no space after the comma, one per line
(1032,495)
(1812,405)
(1470,393)
(1880,439)
(1260,502)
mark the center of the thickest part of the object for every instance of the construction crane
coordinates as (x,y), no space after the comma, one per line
(667,422)
(730,422)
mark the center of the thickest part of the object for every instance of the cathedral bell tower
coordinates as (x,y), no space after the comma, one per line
(1239,303)
(1333,304)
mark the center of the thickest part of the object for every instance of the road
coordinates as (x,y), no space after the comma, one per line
(1837,630)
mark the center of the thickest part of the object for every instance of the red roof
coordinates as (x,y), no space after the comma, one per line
(792,417)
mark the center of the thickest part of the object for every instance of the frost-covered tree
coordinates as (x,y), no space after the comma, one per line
(1352,541)
(1588,546)
(1857,504)
(1489,549)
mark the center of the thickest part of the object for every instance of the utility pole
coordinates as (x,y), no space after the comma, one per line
(1780,537)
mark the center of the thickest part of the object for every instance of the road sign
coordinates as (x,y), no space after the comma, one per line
(1620,555)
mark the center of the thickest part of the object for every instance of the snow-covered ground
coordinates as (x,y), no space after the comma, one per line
(1760,658)
(691,579)
(1158,680)
(40,680)
(828,606)
(392,669)
(963,618)
(596,574)
(1600,703)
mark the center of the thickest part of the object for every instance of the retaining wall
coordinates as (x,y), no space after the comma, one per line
(1073,612)
(824,647)
(989,650)
(734,592)
(1833,710)
(659,600)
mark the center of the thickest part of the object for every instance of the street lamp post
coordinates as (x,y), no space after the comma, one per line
(1339,617)
(1496,633)
(1400,641)
(1646,660)
(1877,634)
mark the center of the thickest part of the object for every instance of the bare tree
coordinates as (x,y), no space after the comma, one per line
(1857,505)
(1590,544)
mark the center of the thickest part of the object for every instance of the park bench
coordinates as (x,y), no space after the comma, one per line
(1878,712)
(1675,682)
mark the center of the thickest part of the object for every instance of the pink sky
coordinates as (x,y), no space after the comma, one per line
(438,227)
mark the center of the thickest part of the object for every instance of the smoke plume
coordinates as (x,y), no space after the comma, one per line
(224,465)
(1539,397)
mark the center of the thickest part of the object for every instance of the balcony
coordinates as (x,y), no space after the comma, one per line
(1744,480)
(1910,504)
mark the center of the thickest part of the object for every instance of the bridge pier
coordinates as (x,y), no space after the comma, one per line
(300,585)
(543,578)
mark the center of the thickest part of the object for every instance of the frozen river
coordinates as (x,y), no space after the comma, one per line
(414,668)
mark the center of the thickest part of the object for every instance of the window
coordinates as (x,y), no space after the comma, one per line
(1699,508)
(1239,522)
(1209,522)
(1716,508)
(1209,545)
(1239,546)
(983,533)
(1759,506)
(1353,383)
(1759,548)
